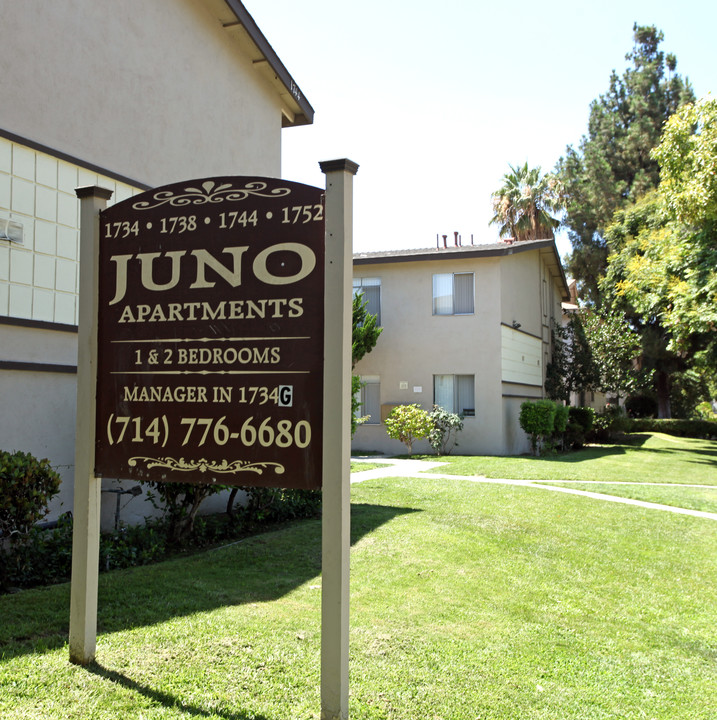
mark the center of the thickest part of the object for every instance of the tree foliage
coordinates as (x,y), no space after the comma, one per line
(446,426)
(687,155)
(364,331)
(364,336)
(26,487)
(612,165)
(662,268)
(572,368)
(665,273)
(522,206)
(615,349)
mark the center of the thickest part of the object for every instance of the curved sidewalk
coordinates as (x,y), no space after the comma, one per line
(402,467)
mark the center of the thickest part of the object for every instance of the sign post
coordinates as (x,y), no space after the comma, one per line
(86,513)
(336,542)
(215,347)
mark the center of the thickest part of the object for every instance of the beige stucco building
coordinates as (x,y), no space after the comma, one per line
(467,328)
(125,95)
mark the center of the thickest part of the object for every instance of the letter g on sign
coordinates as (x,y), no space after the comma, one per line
(286,395)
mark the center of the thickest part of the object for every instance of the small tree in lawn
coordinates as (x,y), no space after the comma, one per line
(408,423)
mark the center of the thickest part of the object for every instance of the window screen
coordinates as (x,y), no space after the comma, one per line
(371,289)
(369,397)
(455,393)
(453,294)
(463,293)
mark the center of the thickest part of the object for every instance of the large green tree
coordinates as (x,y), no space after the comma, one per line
(687,155)
(615,348)
(662,268)
(523,204)
(612,165)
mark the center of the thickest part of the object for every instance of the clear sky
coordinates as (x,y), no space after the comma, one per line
(433,100)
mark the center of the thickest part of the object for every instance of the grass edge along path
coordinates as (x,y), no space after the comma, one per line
(649,467)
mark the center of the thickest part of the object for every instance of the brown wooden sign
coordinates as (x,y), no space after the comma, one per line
(210,334)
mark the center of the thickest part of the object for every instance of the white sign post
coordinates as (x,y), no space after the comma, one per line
(336,540)
(86,513)
(336,421)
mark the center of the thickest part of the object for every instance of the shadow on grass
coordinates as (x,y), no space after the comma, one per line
(163,698)
(257,569)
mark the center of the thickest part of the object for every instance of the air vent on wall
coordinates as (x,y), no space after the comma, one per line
(10,230)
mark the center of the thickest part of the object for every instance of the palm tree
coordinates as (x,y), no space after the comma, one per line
(522,205)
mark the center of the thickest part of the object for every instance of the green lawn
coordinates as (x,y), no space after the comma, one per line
(468,601)
(645,457)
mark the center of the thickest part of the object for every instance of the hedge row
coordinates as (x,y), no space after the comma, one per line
(680,428)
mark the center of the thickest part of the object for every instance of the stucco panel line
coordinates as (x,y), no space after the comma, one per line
(38,324)
(60,155)
(523,332)
(38,367)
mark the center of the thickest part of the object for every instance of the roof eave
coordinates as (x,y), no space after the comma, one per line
(296,110)
(474,251)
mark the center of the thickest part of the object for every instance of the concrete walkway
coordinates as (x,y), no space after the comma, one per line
(400,467)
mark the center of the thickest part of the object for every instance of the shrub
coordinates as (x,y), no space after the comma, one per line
(641,406)
(537,418)
(45,555)
(704,411)
(408,423)
(609,424)
(680,428)
(580,422)
(446,427)
(583,416)
(265,504)
(560,425)
(562,413)
(26,487)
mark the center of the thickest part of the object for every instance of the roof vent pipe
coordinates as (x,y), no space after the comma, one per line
(445,237)
(455,238)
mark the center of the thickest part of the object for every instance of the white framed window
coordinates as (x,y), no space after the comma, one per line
(453,294)
(455,393)
(369,397)
(371,289)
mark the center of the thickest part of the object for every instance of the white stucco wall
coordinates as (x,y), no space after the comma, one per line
(155,91)
(416,345)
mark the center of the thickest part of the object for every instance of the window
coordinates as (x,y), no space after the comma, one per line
(371,289)
(453,294)
(369,397)
(455,393)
